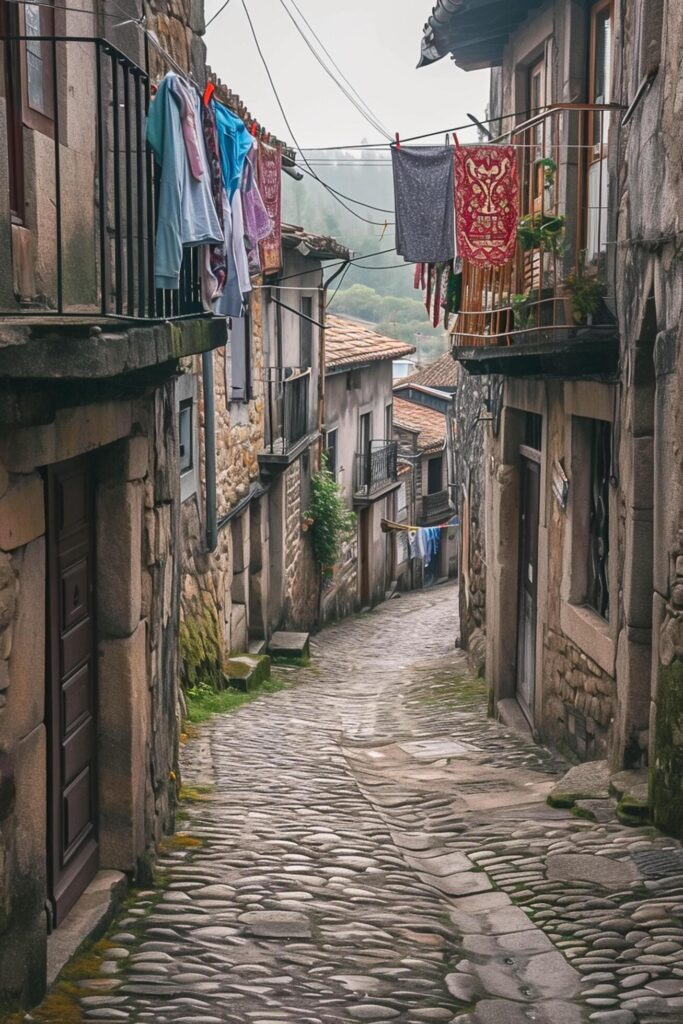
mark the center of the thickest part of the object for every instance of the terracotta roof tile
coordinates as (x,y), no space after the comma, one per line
(429,424)
(348,343)
(443,372)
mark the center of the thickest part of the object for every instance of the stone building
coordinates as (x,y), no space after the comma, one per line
(89,483)
(247,560)
(583,474)
(425,430)
(362,456)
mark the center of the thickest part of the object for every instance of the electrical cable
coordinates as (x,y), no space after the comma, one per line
(361,107)
(359,202)
(341,281)
(336,66)
(374,223)
(219,11)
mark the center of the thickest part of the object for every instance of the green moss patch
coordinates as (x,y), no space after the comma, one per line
(201,651)
(203,702)
(666,773)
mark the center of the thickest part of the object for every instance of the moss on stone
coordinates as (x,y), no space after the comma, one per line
(201,651)
(196,794)
(631,811)
(666,772)
(180,842)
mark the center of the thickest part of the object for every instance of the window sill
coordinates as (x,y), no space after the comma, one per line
(591,633)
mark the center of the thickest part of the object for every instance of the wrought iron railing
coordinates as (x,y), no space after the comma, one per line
(376,467)
(437,504)
(91,198)
(557,279)
(288,405)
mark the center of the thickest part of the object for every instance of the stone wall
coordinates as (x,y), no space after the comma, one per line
(207,576)
(301,593)
(133,448)
(340,594)
(579,699)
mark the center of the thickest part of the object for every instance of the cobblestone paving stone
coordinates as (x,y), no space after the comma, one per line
(376,849)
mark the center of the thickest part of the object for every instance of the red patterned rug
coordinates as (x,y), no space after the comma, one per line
(269,178)
(486,204)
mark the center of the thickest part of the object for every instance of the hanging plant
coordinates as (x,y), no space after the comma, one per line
(330,521)
(586,295)
(541,229)
(549,168)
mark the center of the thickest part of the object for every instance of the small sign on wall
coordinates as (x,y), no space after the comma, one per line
(560,485)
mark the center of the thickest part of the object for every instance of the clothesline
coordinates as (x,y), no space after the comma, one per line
(388,526)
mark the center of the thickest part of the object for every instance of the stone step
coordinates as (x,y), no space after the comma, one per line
(589,781)
(289,645)
(247,671)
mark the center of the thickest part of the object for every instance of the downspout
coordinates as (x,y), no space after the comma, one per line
(209,450)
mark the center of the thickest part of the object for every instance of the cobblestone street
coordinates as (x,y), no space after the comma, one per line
(374,848)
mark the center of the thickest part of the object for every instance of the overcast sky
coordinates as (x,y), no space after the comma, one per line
(376,43)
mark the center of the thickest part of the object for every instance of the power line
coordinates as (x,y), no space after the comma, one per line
(361,106)
(374,223)
(359,202)
(219,11)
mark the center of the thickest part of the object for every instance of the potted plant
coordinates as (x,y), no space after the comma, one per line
(586,294)
(536,230)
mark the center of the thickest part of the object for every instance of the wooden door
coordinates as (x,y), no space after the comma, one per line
(528,582)
(365,590)
(71,690)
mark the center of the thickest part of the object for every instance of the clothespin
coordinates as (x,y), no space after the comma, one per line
(208,93)
(398,141)
(254,129)
(448,140)
(386,225)
(153,89)
(457,141)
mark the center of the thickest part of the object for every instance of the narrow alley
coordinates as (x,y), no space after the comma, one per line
(367,845)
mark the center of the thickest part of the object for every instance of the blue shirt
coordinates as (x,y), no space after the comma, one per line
(234,142)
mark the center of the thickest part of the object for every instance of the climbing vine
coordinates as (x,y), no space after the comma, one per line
(329,520)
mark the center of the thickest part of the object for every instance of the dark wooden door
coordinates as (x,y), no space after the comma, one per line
(528,583)
(71,704)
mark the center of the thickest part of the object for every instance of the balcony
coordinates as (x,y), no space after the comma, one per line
(289,429)
(435,507)
(78,222)
(547,313)
(375,471)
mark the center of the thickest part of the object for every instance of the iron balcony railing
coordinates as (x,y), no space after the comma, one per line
(375,468)
(91,199)
(288,398)
(434,505)
(557,279)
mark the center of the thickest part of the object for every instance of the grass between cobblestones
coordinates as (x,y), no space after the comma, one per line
(203,702)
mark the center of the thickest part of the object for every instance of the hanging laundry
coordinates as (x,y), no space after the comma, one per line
(257,224)
(423,201)
(190,127)
(486,204)
(217,263)
(234,144)
(269,175)
(186,215)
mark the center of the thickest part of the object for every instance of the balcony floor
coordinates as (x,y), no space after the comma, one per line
(586,353)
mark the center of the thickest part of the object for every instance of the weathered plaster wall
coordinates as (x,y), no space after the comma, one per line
(300,606)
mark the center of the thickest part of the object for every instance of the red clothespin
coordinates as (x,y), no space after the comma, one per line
(254,129)
(153,89)
(456,140)
(398,141)
(208,93)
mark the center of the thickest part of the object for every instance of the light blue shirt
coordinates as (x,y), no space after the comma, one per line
(186,213)
(234,142)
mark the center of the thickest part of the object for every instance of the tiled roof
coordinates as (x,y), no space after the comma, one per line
(429,425)
(348,343)
(442,373)
(309,244)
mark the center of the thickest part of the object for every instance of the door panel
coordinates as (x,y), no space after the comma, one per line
(71,691)
(528,584)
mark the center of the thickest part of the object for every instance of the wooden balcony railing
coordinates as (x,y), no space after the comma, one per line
(435,505)
(556,281)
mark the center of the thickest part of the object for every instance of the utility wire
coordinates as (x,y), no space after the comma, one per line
(336,66)
(219,11)
(359,202)
(361,106)
(374,223)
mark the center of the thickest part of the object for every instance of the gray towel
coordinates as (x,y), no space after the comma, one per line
(423,200)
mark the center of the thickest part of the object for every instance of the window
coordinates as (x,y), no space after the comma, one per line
(388,422)
(533,430)
(534,171)
(599,93)
(238,359)
(597,596)
(364,432)
(39,21)
(306,333)
(185,434)
(435,475)
(331,449)
(188,441)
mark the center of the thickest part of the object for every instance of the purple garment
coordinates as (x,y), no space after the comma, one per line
(257,224)
(218,258)
(189,126)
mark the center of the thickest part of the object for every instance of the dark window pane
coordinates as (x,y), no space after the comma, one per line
(598,548)
(185,434)
(306,333)
(331,449)
(435,475)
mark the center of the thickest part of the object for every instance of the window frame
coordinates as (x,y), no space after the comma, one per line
(598,151)
(431,461)
(247,389)
(332,464)
(186,395)
(306,333)
(39,120)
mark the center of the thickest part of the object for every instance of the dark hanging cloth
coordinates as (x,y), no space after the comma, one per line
(217,253)
(436,312)
(423,201)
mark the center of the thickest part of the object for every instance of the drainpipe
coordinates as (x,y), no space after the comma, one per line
(322,312)
(210,450)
